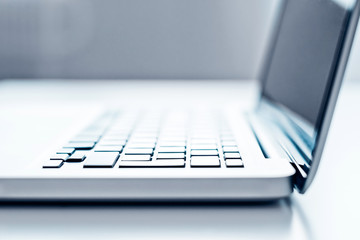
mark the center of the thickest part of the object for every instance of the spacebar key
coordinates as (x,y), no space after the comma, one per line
(157,163)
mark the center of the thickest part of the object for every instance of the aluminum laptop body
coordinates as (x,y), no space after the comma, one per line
(280,142)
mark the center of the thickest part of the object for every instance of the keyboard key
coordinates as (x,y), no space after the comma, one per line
(66,151)
(144,135)
(93,129)
(204,153)
(171,149)
(101,159)
(135,158)
(232,155)
(112,142)
(139,151)
(118,133)
(87,134)
(173,139)
(157,163)
(106,148)
(169,163)
(203,146)
(207,138)
(140,145)
(230,149)
(53,164)
(61,157)
(228,138)
(229,143)
(114,138)
(77,156)
(80,145)
(169,159)
(205,161)
(172,143)
(203,141)
(85,139)
(142,140)
(234,163)
(226,135)
(170,156)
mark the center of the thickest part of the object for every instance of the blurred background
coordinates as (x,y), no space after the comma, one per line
(130,39)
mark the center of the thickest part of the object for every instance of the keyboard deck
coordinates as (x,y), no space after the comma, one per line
(151,140)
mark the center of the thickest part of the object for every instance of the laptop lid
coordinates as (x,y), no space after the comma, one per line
(302,76)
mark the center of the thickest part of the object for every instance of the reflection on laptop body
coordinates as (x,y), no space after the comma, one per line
(203,154)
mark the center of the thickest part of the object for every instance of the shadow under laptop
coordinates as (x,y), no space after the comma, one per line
(178,220)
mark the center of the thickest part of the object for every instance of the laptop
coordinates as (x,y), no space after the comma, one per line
(170,153)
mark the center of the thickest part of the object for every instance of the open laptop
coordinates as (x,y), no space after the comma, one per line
(203,154)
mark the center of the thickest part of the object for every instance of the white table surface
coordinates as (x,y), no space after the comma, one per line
(329,209)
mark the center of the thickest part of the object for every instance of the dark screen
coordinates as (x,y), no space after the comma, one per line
(305,53)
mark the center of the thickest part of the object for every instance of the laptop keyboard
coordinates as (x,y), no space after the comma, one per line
(151,140)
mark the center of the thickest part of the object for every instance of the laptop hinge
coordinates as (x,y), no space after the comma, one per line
(274,143)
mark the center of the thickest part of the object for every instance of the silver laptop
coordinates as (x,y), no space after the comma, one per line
(202,153)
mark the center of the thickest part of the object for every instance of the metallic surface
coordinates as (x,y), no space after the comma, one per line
(21,174)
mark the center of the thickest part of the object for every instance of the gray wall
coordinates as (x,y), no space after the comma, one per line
(133,38)
(137,38)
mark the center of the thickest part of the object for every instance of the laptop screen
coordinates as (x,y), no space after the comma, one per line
(305,53)
(302,72)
